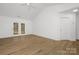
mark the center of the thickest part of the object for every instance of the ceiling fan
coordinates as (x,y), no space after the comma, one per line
(28,5)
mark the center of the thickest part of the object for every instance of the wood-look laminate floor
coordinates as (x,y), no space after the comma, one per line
(35,45)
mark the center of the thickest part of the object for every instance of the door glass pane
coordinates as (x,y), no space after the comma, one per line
(15,29)
(22,28)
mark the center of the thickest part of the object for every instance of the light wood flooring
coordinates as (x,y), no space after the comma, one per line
(35,45)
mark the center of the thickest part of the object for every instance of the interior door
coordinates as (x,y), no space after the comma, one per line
(67,27)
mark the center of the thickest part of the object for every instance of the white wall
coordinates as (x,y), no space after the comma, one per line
(77,25)
(47,24)
(6,26)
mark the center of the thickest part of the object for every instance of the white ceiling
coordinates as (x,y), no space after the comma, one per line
(22,9)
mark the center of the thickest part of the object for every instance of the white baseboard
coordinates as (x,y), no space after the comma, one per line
(58,39)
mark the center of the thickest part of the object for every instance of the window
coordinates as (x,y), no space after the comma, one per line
(22,28)
(15,28)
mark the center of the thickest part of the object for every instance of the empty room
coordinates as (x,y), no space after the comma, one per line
(39,28)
